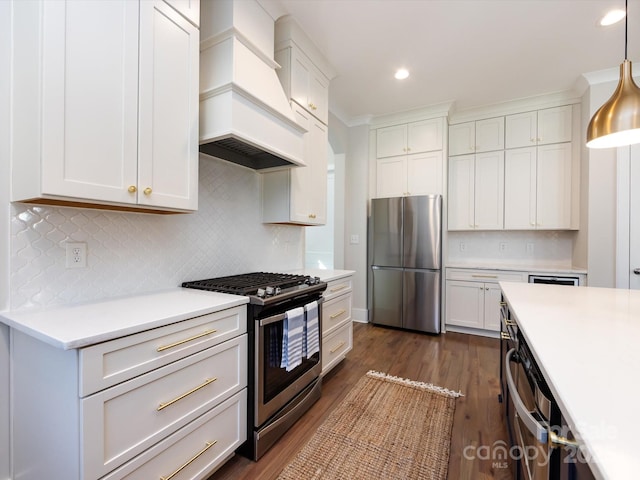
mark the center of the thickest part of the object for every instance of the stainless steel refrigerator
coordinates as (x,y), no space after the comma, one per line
(405,257)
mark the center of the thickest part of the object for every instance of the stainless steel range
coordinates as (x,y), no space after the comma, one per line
(277,396)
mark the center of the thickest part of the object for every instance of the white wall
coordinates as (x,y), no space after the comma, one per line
(5,35)
(356,198)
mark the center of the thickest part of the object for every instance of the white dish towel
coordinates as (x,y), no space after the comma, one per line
(312,330)
(292,338)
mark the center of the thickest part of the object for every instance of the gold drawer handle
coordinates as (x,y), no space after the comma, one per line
(180,342)
(337,314)
(484,276)
(335,349)
(338,288)
(147,191)
(312,215)
(192,459)
(162,406)
(510,323)
(505,336)
(503,304)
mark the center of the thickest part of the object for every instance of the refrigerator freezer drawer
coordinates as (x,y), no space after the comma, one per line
(406,298)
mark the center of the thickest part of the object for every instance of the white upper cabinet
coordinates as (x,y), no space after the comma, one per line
(410,158)
(116,124)
(476,137)
(409,138)
(417,174)
(542,127)
(476,191)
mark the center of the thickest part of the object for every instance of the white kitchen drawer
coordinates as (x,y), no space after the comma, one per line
(122,421)
(109,363)
(336,346)
(224,426)
(337,287)
(336,312)
(486,276)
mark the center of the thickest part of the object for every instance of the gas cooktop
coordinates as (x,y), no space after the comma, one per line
(259,285)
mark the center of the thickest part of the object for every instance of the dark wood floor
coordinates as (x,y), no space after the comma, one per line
(456,361)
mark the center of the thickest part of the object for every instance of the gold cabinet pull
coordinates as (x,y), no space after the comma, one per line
(510,323)
(484,276)
(192,459)
(505,336)
(132,189)
(338,288)
(336,348)
(337,314)
(147,191)
(312,106)
(502,304)
(312,215)
(190,339)
(556,440)
(162,406)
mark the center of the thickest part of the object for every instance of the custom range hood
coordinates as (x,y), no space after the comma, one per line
(245,116)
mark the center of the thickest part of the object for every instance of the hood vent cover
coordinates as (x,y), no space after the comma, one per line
(245,116)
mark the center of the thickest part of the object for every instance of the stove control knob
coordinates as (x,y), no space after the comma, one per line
(261,292)
(269,290)
(277,291)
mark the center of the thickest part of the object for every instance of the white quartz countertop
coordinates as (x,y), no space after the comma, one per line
(325,275)
(533,268)
(585,340)
(75,326)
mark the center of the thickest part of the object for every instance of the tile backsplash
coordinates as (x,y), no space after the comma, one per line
(131,253)
(530,248)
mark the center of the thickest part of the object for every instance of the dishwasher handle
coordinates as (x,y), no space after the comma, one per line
(533,425)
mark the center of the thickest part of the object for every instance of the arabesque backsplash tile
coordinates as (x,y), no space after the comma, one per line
(135,253)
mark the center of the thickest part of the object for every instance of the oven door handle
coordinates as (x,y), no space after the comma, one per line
(269,320)
(533,425)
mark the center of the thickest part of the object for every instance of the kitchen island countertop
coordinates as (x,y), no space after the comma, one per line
(80,325)
(585,340)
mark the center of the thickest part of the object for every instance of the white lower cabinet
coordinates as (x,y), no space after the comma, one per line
(180,408)
(337,324)
(473,297)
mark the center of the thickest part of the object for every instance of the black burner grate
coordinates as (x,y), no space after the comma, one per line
(248,283)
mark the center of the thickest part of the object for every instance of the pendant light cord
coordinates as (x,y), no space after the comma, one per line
(626,18)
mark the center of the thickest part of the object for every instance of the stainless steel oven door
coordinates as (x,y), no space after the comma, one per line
(274,386)
(529,426)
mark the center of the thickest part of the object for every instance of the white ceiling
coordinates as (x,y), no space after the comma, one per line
(473,52)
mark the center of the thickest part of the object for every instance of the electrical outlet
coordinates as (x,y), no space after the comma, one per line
(502,247)
(355,239)
(76,255)
(463,247)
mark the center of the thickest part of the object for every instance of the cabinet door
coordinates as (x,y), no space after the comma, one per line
(465,304)
(391,177)
(168,130)
(520,189)
(521,130)
(492,299)
(424,136)
(424,173)
(301,177)
(89,99)
(554,125)
(300,74)
(489,191)
(319,96)
(391,141)
(462,138)
(489,134)
(317,154)
(554,187)
(461,192)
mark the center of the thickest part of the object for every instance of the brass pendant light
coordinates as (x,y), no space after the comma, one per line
(617,122)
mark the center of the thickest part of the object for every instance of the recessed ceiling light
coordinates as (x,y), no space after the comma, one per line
(401,74)
(611,17)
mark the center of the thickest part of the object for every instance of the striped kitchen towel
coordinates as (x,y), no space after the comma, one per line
(312,330)
(292,338)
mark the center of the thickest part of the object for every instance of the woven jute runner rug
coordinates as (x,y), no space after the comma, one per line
(385,428)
